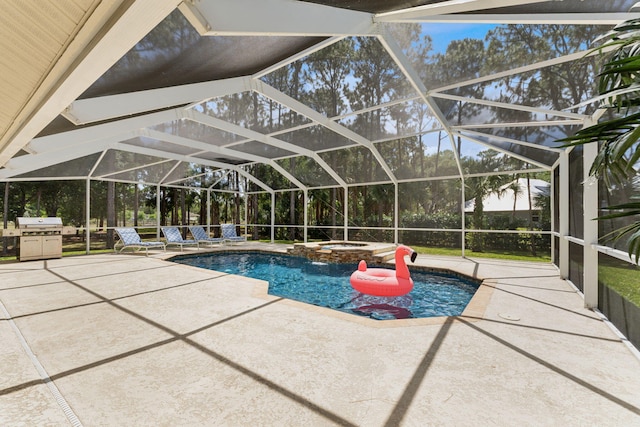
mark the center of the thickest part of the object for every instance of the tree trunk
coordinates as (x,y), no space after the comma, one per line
(437,155)
(215,213)
(254,207)
(333,199)
(333,213)
(292,215)
(236,208)
(124,206)
(236,197)
(174,213)
(202,215)
(163,208)
(136,205)
(111,212)
(292,206)
(183,213)
(38,197)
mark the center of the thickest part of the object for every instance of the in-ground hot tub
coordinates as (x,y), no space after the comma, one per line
(345,251)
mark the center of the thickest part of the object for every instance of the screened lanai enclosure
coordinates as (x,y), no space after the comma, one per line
(356,120)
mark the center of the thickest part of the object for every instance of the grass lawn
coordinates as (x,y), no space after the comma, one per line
(73,249)
(513,256)
(624,280)
(66,253)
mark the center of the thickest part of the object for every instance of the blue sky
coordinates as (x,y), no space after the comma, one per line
(443,34)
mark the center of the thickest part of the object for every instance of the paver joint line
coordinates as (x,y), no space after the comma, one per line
(60,400)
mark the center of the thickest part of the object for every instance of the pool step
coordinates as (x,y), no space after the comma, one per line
(383,249)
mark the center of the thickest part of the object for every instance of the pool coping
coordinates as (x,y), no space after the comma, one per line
(473,312)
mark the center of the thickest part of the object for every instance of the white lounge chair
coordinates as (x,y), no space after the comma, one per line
(229,233)
(173,236)
(128,237)
(202,236)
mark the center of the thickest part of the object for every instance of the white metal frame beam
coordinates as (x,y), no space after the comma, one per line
(401,60)
(540,123)
(133,127)
(186,142)
(611,18)
(189,159)
(446,8)
(519,70)
(83,111)
(275,18)
(73,150)
(87,135)
(302,54)
(299,107)
(139,167)
(265,139)
(517,107)
(513,141)
(506,152)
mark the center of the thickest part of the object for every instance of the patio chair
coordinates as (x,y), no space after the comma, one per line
(173,236)
(202,236)
(128,237)
(229,233)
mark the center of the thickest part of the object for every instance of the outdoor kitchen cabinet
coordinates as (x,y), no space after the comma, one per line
(40,247)
(40,238)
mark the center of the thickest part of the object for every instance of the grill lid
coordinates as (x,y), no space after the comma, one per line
(50,222)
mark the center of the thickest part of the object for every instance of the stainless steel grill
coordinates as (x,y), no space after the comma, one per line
(40,238)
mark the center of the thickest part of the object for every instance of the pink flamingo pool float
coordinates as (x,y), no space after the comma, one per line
(385,282)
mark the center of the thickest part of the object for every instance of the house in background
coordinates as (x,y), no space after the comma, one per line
(509,201)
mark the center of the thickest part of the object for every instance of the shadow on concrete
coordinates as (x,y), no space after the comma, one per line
(626,405)
(175,336)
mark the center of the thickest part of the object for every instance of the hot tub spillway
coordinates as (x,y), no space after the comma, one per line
(345,252)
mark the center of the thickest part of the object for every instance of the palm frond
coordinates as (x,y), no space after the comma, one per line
(634,245)
(627,210)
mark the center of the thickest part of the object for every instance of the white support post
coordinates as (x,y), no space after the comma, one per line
(590,208)
(246,214)
(208,211)
(158,212)
(345,213)
(395,214)
(273,216)
(563,215)
(305,192)
(553,207)
(462,216)
(87,218)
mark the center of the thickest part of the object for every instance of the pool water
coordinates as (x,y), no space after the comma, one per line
(327,285)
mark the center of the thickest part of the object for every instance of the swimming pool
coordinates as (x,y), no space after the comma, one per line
(327,285)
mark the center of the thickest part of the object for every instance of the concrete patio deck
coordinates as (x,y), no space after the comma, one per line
(132,340)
